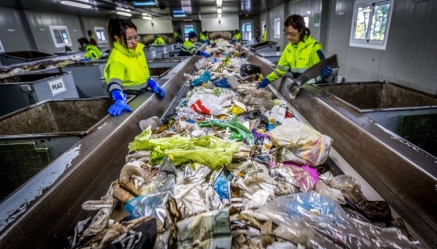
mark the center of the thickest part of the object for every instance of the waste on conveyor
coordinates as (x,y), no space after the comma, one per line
(11,70)
(232,167)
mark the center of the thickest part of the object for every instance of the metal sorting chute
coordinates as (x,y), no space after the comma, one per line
(96,161)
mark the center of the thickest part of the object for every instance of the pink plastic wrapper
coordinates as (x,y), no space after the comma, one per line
(305,177)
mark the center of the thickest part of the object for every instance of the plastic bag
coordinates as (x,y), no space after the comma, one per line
(249,69)
(234,125)
(256,114)
(307,144)
(325,224)
(222,184)
(204,78)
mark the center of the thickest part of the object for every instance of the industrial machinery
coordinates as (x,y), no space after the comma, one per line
(403,175)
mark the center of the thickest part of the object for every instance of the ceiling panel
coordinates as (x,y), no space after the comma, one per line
(165,7)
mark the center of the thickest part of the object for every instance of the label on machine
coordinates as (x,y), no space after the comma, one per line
(57,86)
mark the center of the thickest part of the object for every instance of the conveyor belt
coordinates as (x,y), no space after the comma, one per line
(49,206)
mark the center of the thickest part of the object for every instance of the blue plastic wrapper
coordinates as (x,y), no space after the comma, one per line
(148,205)
(222,184)
(223,83)
(204,78)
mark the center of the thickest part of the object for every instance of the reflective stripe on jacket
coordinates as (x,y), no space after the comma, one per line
(129,66)
(298,58)
(188,48)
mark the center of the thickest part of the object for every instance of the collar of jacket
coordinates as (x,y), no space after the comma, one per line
(306,41)
(128,52)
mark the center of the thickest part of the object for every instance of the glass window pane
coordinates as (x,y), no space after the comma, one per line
(58,36)
(379,22)
(363,15)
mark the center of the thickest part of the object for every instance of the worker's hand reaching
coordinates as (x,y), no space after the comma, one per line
(263,83)
(326,71)
(204,54)
(119,104)
(156,88)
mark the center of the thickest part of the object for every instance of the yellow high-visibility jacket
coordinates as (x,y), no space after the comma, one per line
(264,38)
(92,52)
(126,67)
(237,37)
(298,58)
(188,48)
(159,41)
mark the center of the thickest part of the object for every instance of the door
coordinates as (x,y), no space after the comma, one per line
(246,30)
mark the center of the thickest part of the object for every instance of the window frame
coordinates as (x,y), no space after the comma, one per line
(96,31)
(2,48)
(60,27)
(367,43)
(277,28)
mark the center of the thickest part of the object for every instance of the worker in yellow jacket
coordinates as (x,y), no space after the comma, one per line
(158,40)
(264,38)
(236,37)
(126,68)
(188,48)
(302,52)
(91,52)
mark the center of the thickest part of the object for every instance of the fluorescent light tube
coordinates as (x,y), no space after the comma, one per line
(147,17)
(144,3)
(219,15)
(219,2)
(121,13)
(76,4)
(219,10)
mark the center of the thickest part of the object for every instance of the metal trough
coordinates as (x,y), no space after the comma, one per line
(267,46)
(10,58)
(33,137)
(407,112)
(53,201)
(23,90)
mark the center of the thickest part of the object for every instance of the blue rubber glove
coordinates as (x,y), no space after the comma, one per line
(326,71)
(120,104)
(263,83)
(204,54)
(155,88)
(232,41)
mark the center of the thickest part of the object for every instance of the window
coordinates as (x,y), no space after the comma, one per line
(277,28)
(2,49)
(100,32)
(60,36)
(246,30)
(371,23)
(306,19)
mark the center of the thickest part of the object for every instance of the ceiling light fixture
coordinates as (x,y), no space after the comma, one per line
(219,10)
(219,2)
(122,13)
(76,4)
(147,17)
(145,3)
(219,15)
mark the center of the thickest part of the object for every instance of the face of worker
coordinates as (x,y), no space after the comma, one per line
(131,38)
(293,35)
(193,40)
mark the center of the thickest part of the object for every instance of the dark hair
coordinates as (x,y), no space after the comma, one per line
(297,22)
(117,27)
(83,41)
(90,32)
